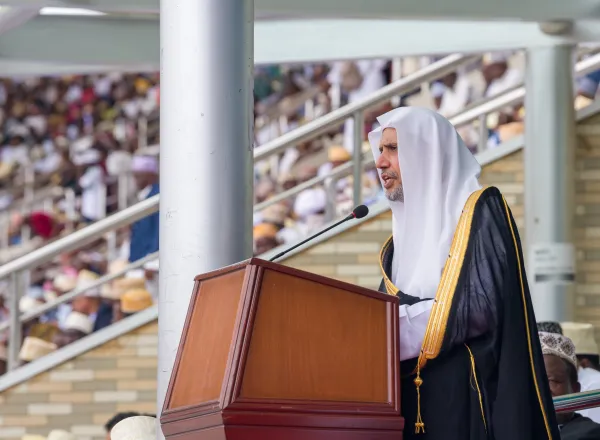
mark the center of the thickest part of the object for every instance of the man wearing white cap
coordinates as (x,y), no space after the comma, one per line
(561,367)
(144,232)
(472,366)
(586,349)
(135,428)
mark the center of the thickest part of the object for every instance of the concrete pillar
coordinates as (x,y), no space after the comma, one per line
(549,186)
(206,50)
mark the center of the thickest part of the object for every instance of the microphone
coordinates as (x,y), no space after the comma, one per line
(359,212)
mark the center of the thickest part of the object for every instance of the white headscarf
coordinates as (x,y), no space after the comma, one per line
(438,175)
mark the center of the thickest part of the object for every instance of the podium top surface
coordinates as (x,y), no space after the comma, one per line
(258,262)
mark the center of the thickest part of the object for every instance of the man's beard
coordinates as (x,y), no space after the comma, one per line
(396,194)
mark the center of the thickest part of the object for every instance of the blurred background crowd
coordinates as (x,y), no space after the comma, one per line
(75,149)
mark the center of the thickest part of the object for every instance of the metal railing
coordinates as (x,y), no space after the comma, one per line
(19,268)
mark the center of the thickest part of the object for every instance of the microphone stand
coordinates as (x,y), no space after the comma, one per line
(281,254)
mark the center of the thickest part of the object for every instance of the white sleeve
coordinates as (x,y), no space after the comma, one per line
(91,176)
(413,324)
(334,77)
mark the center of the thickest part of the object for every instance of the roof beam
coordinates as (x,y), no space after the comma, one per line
(533,10)
(135,42)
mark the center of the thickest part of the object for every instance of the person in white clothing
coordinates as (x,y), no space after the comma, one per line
(466,317)
(588,358)
(372,78)
(93,184)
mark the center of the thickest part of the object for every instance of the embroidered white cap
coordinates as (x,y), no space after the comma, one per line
(558,345)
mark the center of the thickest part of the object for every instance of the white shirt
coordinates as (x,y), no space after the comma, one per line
(372,73)
(15,154)
(590,381)
(510,79)
(455,99)
(93,198)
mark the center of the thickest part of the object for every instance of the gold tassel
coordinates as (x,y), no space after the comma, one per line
(419,425)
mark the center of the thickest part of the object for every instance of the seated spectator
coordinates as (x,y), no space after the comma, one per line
(35,348)
(144,232)
(309,209)
(561,368)
(287,181)
(588,360)
(275,214)
(151,272)
(358,79)
(76,326)
(42,224)
(453,93)
(336,156)
(135,428)
(499,78)
(265,238)
(93,184)
(135,300)
(263,190)
(116,419)
(587,86)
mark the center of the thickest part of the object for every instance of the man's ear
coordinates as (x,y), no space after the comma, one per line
(577,387)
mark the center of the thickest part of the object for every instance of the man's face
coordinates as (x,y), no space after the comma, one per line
(390,166)
(560,383)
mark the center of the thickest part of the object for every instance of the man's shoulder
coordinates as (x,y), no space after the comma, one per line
(490,199)
(490,214)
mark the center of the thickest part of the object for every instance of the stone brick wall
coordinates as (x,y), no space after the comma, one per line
(83,394)
(586,222)
(80,396)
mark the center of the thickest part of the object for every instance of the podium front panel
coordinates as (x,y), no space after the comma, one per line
(314,342)
(206,347)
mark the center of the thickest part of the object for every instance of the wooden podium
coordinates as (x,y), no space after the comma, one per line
(269,352)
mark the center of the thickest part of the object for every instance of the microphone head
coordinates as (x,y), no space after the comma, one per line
(360,211)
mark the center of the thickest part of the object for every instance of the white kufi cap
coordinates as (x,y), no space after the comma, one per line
(79,321)
(135,428)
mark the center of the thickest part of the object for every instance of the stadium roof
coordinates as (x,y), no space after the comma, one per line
(77,36)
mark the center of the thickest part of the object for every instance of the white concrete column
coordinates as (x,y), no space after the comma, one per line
(206,50)
(549,186)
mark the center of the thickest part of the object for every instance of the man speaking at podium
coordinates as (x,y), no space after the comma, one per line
(472,366)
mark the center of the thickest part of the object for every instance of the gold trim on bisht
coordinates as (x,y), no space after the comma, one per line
(389,286)
(436,325)
(438,319)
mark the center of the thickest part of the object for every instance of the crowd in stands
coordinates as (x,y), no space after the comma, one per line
(80,133)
